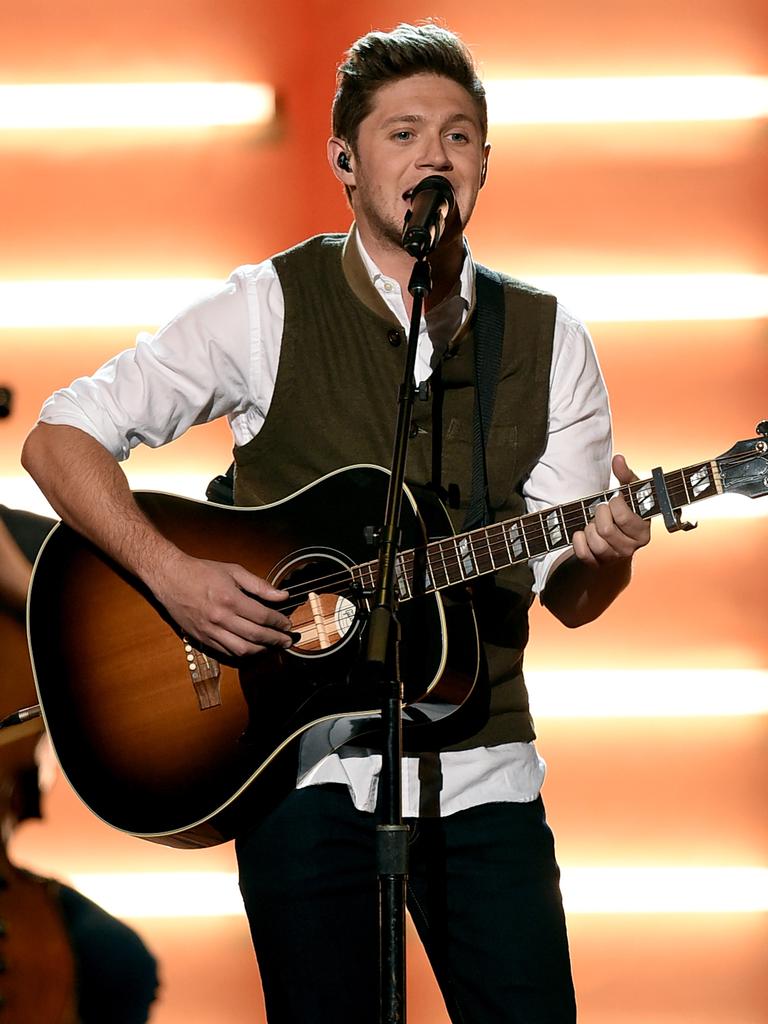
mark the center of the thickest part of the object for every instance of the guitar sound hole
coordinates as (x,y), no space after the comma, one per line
(322,607)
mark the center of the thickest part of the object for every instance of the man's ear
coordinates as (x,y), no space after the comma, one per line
(341,160)
(484,170)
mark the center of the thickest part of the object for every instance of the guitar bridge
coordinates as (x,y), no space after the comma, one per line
(205,673)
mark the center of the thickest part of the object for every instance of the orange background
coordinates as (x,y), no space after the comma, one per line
(605,199)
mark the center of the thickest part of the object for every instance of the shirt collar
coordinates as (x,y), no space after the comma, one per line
(361,273)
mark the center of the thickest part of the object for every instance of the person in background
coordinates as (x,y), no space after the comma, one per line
(64,959)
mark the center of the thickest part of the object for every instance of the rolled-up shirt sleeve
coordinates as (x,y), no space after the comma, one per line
(576,461)
(202,365)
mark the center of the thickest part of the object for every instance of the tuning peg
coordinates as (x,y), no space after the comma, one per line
(762,428)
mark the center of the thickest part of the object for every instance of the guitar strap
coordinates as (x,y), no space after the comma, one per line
(222,488)
(489,340)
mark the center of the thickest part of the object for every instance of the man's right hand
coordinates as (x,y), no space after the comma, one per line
(218,604)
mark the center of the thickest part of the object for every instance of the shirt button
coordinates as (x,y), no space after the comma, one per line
(388,286)
(394,338)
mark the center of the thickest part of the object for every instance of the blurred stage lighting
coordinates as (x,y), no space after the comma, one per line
(628,298)
(647,693)
(20,491)
(530,101)
(620,298)
(99,303)
(134,105)
(664,890)
(586,890)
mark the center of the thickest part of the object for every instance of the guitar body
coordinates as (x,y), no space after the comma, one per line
(164,741)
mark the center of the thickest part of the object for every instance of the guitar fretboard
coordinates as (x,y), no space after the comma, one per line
(465,556)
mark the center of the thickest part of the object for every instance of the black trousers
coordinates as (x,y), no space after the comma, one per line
(483,892)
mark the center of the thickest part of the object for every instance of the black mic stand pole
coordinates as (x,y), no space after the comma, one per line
(383,668)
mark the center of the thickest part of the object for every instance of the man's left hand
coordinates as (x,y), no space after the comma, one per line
(616,532)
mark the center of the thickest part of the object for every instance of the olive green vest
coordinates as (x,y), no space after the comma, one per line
(341,364)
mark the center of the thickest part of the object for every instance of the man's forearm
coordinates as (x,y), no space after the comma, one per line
(221,604)
(578,593)
(89,491)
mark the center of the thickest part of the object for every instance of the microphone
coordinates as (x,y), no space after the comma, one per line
(431,202)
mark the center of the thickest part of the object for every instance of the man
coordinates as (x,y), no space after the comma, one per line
(303,354)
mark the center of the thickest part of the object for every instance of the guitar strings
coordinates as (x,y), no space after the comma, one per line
(570,515)
(446,550)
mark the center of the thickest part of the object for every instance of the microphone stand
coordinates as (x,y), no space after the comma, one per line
(382,664)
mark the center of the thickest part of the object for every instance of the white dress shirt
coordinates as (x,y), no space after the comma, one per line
(220,358)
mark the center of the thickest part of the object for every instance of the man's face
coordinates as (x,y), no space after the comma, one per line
(422,125)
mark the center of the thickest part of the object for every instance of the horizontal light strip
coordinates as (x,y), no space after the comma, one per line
(625,298)
(113,105)
(22,492)
(133,105)
(600,297)
(626,99)
(163,894)
(99,303)
(643,693)
(664,890)
(586,890)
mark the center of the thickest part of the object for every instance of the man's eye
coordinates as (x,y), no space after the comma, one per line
(403,135)
(458,137)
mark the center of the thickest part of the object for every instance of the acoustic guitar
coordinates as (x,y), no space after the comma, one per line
(175,744)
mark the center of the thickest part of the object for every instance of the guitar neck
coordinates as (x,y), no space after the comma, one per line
(466,556)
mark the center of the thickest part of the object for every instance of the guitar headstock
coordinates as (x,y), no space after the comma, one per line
(744,468)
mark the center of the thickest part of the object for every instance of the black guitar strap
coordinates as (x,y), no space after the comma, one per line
(489,340)
(222,488)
